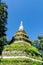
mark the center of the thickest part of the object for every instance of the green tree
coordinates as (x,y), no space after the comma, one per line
(35,43)
(39,43)
(3,22)
(40,38)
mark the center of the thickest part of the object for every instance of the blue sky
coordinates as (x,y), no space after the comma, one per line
(30,12)
(0,0)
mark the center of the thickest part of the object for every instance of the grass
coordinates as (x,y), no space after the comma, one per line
(29,50)
(22,47)
(18,62)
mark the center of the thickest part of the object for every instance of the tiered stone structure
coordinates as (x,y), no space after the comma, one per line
(21,35)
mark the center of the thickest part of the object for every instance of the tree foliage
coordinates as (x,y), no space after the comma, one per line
(39,43)
(3,22)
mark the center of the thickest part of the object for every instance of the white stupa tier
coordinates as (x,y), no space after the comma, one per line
(21,26)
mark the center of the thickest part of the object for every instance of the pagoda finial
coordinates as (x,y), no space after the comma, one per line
(21,26)
(21,23)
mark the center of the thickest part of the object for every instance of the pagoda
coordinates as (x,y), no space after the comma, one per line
(21,35)
(20,45)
